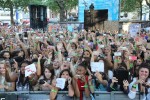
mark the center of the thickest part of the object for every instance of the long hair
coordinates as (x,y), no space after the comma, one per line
(22,76)
(51,70)
(3,62)
(70,74)
(147,66)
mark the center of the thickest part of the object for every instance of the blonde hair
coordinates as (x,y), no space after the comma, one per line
(2,62)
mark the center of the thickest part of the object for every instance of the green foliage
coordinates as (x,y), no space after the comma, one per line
(66,4)
(18,3)
(148,2)
(52,4)
(130,5)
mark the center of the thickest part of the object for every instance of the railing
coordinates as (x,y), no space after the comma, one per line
(44,95)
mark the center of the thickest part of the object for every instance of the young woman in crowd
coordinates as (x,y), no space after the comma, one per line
(100,78)
(44,82)
(4,85)
(24,83)
(141,83)
(68,87)
(120,67)
(82,83)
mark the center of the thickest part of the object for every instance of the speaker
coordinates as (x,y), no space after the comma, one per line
(38,16)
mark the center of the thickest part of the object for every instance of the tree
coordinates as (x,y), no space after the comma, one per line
(148,3)
(11,4)
(17,4)
(61,6)
(132,5)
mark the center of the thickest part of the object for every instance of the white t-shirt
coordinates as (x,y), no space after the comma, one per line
(132,94)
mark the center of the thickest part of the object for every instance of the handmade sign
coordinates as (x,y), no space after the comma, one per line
(30,69)
(97,66)
(60,83)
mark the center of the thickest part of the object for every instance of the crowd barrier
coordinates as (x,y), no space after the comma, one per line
(44,95)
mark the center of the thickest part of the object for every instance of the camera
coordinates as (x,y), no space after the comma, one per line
(68,59)
(41,81)
(101,56)
(145,85)
(93,77)
(25,34)
(11,61)
(57,40)
(65,54)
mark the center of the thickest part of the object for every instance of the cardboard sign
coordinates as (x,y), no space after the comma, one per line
(30,69)
(97,66)
(117,53)
(132,57)
(60,83)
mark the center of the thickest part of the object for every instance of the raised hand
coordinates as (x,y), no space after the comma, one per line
(69,80)
(40,57)
(114,80)
(125,83)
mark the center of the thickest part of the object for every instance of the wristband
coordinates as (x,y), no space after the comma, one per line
(116,60)
(53,91)
(32,80)
(131,65)
(85,86)
(112,88)
(134,86)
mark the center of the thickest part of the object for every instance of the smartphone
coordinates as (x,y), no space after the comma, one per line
(78,76)
(133,58)
(68,59)
(25,34)
(57,40)
(102,56)
(101,46)
(117,53)
(61,36)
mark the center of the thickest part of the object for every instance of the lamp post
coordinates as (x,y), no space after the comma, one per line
(92,15)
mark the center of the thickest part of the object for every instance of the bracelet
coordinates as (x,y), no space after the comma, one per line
(53,91)
(116,60)
(31,80)
(112,88)
(85,86)
(134,86)
(131,65)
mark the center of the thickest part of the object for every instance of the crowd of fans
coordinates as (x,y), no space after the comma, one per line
(69,55)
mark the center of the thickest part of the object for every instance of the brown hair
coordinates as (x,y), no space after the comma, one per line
(51,69)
